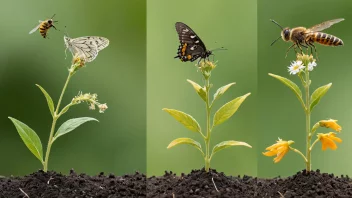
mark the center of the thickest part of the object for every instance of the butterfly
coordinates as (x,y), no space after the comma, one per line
(86,47)
(191,46)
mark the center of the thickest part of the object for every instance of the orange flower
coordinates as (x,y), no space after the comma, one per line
(327,140)
(279,149)
(330,124)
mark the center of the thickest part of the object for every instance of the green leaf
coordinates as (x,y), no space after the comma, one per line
(48,99)
(188,121)
(70,125)
(290,85)
(226,144)
(186,141)
(318,94)
(228,109)
(221,91)
(30,138)
(200,91)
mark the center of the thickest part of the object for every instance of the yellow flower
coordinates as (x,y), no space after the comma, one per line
(279,149)
(327,140)
(330,124)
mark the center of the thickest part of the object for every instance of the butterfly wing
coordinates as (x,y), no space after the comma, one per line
(82,47)
(100,42)
(191,46)
(324,25)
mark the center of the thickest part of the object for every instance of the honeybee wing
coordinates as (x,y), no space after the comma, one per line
(87,47)
(36,28)
(324,25)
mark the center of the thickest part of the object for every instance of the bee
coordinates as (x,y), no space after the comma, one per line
(44,26)
(305,37)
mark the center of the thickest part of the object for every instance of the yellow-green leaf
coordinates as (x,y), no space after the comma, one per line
(228,109)
(30,138)
(221,91)
(318,94)
(48,100)
(188,141)
(226,144)
(200,90)
(290,85)
(188,121)
(70,125)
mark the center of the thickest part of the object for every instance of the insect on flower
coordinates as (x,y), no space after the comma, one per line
(191,46)
(86,47)
(44,26)
(305,37)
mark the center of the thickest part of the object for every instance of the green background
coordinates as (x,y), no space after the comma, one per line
(117,143)
(229,24)
(279,113)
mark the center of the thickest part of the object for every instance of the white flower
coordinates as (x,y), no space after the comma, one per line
(295,67)
(311,65)
(102,107)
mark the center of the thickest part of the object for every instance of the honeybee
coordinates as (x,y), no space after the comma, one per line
(305,37)
(44,26)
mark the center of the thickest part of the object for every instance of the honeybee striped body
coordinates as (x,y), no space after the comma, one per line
(306,37)
(324,39)
(44,27)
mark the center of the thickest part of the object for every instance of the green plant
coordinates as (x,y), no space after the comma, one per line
(302,67)
(30,137)
(221,115)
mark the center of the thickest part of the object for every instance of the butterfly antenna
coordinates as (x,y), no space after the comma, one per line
(277,24)
(217,49)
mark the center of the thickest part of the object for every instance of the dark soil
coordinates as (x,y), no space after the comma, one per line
(200,184)
(303,184)
(52,185)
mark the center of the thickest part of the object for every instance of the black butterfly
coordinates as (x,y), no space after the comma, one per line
(191,46)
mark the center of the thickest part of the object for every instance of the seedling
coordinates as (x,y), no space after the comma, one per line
(221,115)
(302,67)
(30,137)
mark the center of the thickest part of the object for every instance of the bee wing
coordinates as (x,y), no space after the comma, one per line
(325,25)
(34,29)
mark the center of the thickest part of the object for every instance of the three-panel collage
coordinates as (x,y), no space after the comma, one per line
(175,99)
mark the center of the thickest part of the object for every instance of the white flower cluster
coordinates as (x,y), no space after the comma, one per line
(298,66)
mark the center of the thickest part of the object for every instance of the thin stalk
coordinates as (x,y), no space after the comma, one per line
(55,118)
(309,135)
(207,137)
(300,153)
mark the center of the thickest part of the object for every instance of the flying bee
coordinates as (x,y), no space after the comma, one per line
(305,37)
(44,26)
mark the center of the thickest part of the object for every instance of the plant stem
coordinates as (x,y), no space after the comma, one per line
(309,135)
(300,153)
(207,137)
(55,118)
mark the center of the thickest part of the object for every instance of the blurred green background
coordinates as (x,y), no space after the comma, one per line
(117,143)
(279,112)
(229,24)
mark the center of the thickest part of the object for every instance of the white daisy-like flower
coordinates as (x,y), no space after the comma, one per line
(311,65)
(295,67)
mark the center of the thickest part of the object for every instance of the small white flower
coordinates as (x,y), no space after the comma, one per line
(295,67)
(102,107)
(311,65)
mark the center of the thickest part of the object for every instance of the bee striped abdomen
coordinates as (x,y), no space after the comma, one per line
(326,39)
(43,29)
